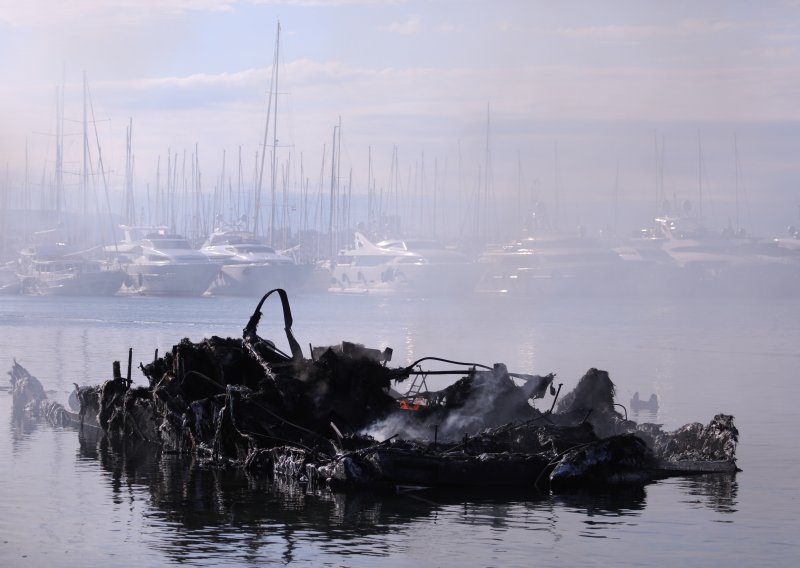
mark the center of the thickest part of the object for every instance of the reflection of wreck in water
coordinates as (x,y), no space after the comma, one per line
(334,420)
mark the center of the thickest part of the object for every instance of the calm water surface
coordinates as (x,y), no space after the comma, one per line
(69,500)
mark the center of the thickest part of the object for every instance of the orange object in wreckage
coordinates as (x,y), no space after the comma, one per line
(405,406)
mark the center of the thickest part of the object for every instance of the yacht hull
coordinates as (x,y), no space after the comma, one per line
(414,279)
(100,283)
(256,279)
(171,279)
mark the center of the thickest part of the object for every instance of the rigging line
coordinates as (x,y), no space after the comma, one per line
(418,361)
(256,213)
(100,159)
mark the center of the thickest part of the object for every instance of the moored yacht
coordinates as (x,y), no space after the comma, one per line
(790,241)
(161,263)
(250,267)
(714,262)
(409,266)
(706,262)
(57,269)
(690,245)
(550,262)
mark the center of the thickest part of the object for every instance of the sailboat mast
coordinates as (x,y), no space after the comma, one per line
(220,201)
(26,197)
(435,181)
(59,151)
(736,164)
(486,176)
(304,194)
(700,174)
(331,213)
(659,156)
(257,207)
(370,195)
(274,135)
(239,186)
(555,159)
(285,169)
(519,183)
(155,214)
(460,192)
(85,174)
(129,205)
(3,223)
(616,200)
(318,220)
(338,173)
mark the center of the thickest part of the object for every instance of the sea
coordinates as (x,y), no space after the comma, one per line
(68,499)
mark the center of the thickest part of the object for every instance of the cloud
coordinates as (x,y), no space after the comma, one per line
(412,25)
(447,27)
(687,27)
(86,13)
(330,2)
(777,52)
(697,26)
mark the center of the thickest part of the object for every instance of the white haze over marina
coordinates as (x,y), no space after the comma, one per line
(464,117)
(602,110)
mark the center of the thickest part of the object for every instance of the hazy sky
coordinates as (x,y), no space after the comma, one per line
(573,92)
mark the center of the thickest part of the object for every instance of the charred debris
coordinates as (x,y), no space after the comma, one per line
(335,419)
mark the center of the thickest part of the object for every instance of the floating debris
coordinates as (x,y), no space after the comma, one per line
(335,419)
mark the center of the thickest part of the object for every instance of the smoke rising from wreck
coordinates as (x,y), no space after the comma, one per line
(405,426)
(478,400)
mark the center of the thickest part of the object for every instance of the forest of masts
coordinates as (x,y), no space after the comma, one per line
(271,192)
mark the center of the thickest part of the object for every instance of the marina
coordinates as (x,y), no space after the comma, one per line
(544,263)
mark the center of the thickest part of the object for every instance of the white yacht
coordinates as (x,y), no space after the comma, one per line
(690,244)
(248,267)
(727,261)
(790,241)
(60,270)
(413,266)
(552,262)
(161,263)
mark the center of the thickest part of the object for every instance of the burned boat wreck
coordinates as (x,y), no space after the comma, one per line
(335,419)
(29,398)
